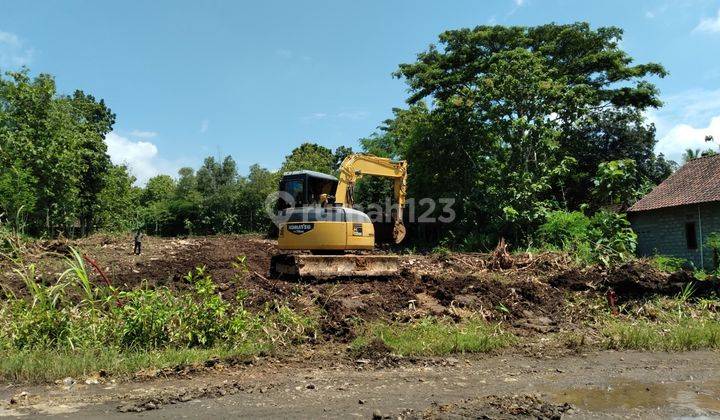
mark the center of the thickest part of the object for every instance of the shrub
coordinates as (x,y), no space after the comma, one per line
(561,227)
(604,238)
(143,319)
(614,241)
(668,264)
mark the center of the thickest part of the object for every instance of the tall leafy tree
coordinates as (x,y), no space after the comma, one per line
(310,156)
(94,121)
(514,112)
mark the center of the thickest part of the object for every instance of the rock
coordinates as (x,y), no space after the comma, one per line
(377,415)
(466,301)
(361,401)
(452,360)
(92,381)
(543,320)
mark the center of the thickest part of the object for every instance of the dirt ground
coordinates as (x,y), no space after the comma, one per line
(596,385)
(526,291)
(530,294)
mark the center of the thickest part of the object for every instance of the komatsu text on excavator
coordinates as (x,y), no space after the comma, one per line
(324,235)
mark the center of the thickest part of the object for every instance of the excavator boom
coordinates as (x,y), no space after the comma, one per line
(358,165)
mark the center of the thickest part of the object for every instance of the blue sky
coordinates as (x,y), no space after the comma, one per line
(255,79)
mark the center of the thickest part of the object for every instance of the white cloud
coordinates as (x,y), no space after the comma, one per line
(141,157)
(695,107)
(353,115)
(13,52)
(204,125)
(657,11)
(143,134)
(519,2)
(711,24)
(684,136)
(286,54)
(685,120)
(349,115)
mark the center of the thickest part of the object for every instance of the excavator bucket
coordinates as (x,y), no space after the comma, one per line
(325,267)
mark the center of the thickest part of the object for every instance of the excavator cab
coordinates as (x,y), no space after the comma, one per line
(306,188)
(310,220)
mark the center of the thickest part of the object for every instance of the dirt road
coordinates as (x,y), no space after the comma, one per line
(602,384)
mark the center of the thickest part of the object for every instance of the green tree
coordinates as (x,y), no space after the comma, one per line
(119,201)
(339,156)
(159,188)
(512,109)
(310,156)
(52,152)
(94,121)
(616,182)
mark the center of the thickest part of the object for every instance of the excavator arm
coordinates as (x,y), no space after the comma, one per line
(356,166)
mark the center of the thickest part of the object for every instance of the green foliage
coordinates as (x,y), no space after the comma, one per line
(613,239)
(604,238)
(521,120)
(512,123)
(668,264)
(434,337)
(692,154)
(713,241)
(73,313)
(615,182)
(682,335)
(118,203)
(441,251)
(47,365)
(310,156)
(53,156)
(562,227)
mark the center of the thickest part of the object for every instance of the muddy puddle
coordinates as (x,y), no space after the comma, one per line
(628,394)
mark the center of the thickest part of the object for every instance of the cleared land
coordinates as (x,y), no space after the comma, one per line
(456,334)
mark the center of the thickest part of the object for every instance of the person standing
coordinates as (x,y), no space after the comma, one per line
(138,242)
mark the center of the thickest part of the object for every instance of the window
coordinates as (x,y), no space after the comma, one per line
(690,235)
(356,216)
(295,189)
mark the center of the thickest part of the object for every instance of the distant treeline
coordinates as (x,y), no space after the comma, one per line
(514,123)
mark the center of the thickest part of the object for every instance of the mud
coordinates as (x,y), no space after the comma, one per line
(493,407)
(597,385)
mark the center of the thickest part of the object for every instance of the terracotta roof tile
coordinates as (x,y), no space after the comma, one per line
(698,181)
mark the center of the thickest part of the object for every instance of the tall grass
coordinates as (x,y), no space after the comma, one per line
(74,325)
(685,334)
(435,337)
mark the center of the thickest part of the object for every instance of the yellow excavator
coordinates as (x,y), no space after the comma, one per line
(322,235)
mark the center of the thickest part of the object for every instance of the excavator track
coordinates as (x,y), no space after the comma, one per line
(327,267)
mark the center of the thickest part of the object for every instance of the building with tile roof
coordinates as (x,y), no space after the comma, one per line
(678,215)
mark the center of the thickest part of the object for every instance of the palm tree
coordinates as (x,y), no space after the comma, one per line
(690,154)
